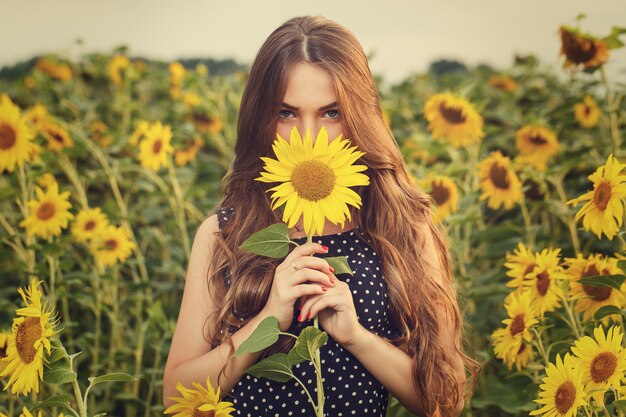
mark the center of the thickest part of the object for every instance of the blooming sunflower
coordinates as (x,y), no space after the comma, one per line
(156,146)
(604,210)
(140,131)
(508,342)
(5,335)
(537,144)
(57,137)
(184,156)
(445,194)
(315,179)
(89,223)
(582,49)
(454,119)
(15,135)
(46,179)
(37,115)
(112,245)
(31,334)
(544,281)
(587,113)
(520,263)
(503,82)
(562,391)
(116,65)
(200,401)
(49,213)
(590,298)
(602,360)
(499,182)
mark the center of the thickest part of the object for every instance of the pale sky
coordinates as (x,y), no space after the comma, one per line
(406,36)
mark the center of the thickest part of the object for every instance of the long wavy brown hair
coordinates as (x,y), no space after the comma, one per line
(395,215)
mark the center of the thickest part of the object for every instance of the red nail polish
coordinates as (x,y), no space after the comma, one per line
(323,288)
(324,247)
(300,317)
(308,316)
(332,269)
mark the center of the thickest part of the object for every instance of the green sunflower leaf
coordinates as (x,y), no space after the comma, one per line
(115,376)
(606,311)
(613,281)
(276,367)
(265,335)
(273,241)
(52,401)
(309,341)
(339,264)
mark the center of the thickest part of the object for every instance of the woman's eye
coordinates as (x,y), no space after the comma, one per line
(282,114)
(334,114)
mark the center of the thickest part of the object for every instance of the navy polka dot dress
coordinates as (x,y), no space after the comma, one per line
(350,389)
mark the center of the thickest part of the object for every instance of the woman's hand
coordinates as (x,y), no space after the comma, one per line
(336,311)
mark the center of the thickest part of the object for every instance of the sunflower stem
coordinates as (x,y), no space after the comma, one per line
(571,223)
(180,211)
(530,236)
(24,207)
(539,345)
(612,107)
(316,363)
(572,320)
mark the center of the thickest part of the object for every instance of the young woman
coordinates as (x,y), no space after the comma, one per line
(394,326)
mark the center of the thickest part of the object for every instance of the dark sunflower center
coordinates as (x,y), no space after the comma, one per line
(7,136)
(45,211)
(587,110)
(537,140)
(110,244)
(543,282)
(313,180)
(198,413)
(597,293)
(602,196)
(3,351)
(521,349)
(57,136)
(453,115)
(564,397)
(90,225)
(577,49)
(202,118)
(157,146)
(517,325)
(603,366)
(28,332)
(529,269)
(440,193)
(499,176)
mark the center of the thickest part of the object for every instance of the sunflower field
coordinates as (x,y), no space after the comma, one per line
(109,164)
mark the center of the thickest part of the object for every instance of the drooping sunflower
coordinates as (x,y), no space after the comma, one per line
(604,210)
(520,263)
(445,194)
(544,281)
(31,335)
(508,342)
(590,299)
(205,122)
(5,335)
(536,144)
(49,214)
(587,113)
(503,82)
(114,244)
(116,66)
(315,179)
(453,119)
(199,402)
(184,156)
(562,391)
(155,147)
(499,182)
(602,360)
(57,136)
(16,136)
(89,223)
(582,49)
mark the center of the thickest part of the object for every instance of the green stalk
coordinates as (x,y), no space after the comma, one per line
(317,363)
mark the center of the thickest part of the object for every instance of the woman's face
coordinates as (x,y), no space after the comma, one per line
(310,102)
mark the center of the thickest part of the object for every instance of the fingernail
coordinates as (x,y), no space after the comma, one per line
(324,247)
(323,288)
(308,316)
(300,317)
(332,280)
(332,269)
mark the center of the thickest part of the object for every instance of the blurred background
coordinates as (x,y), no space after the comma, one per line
(118,123)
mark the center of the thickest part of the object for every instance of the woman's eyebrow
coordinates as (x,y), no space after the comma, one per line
(328,106)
